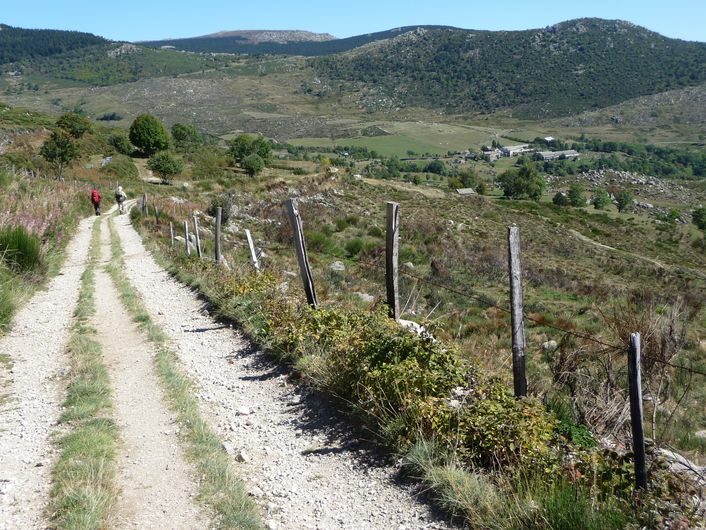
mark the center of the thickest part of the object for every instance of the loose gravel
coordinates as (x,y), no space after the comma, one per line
(303,468)
(36,346)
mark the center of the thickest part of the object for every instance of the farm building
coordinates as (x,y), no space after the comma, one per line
(553,155)
(514,150)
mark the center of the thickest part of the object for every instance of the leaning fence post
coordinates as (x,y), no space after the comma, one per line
(144,203)
(392,259)
(638,434)
(171,233)
(219,214)
(186,237)
(253,254)
(196,233)
(517,316)
(302,257)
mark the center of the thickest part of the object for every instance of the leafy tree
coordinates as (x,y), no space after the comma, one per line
(121,143)
(624,198)
(166,165)
(253,164)
(60,149)
(186,137)
(576,196)
(74,124)
(244,145)
(524,182)
(560,199)
(699,218)
(148,134)
(437,167)
(601,199)
(262,148)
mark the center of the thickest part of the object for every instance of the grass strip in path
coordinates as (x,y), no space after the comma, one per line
(84,491)
(219,486)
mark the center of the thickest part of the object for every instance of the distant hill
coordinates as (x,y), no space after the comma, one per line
(17,44)
(241,42)
(555,71)
(278,36)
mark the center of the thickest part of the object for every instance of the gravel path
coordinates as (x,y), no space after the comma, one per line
(156,484)
(298,462)
(36,346)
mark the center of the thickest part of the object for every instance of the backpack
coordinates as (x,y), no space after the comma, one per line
(95,196)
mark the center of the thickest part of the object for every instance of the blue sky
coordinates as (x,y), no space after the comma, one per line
(159,19)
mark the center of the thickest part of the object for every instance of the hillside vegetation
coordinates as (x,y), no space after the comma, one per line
(17,44)
(559,70)
(111,64)
(293,45)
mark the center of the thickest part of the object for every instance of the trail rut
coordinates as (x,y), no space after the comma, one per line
(156,484)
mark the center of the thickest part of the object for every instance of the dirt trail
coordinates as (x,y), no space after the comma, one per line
(157,490)
(37,348)
(303,467)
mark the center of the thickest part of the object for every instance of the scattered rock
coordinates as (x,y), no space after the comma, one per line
(550,346)
(337,266)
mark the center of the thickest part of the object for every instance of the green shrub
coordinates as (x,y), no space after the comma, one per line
(121,143)
(376,231)
(121,167)
(354,246)
(224,201)
(300,171)
(342,224)
(19,249)
(320,242)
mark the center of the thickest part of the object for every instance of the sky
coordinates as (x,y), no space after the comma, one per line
(135,20)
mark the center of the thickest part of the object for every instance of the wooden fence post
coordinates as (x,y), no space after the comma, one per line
(392,259)
(144,203)
(636,420)
(302,257)
(253,254)
(517,316)
(196,234)
(219,214)
(186,237)
(171,233)
(156,214)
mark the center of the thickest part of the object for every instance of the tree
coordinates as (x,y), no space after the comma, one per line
(148,134)
(560,199)
(601,199)
(166,165)
(623,199)
(245,145)
(253,164)
(698,217)
(576,195)
(60,150)
(525,182)
(121,144)
(437,167)
(186,137)
(74,124)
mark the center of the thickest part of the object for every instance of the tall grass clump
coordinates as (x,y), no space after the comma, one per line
(19,249)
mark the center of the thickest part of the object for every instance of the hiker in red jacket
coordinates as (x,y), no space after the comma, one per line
(96,200)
